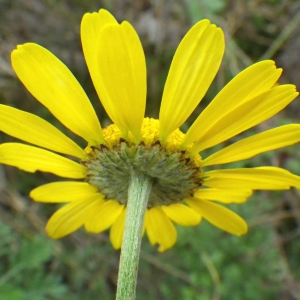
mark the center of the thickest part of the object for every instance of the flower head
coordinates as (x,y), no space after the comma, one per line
(184,189)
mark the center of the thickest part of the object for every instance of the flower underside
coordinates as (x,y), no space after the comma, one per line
(174,174)
(135,145)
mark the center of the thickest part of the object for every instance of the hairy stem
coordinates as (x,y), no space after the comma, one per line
(138,195)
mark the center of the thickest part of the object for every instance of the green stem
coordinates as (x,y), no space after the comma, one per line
(138,194)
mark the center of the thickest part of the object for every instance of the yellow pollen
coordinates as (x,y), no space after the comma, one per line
(149,136)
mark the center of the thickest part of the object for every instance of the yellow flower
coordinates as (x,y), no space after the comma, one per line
(183,189)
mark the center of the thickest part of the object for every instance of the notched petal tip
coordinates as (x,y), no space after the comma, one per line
(102,15)
(16,53)
(105,12)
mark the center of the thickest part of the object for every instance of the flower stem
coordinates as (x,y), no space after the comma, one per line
(138,195)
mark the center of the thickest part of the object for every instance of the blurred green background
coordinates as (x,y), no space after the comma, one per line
(206,263)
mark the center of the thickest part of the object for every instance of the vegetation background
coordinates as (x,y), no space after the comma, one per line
(206,263)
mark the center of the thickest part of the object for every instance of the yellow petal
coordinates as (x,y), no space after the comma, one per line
(262,178)
(247,115)
(269,140)
(52,83)
(63,191)
(91,26)
(122,69)
(70,217)
(194,66)
(219,216)
(182,214)
(34,130)
(224,196)
(104,217)
(248,84)
(117,230)
(160,229)
(31,159)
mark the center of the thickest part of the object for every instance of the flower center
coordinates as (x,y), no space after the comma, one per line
(175,176)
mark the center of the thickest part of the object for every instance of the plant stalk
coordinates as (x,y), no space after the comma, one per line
(138,195)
